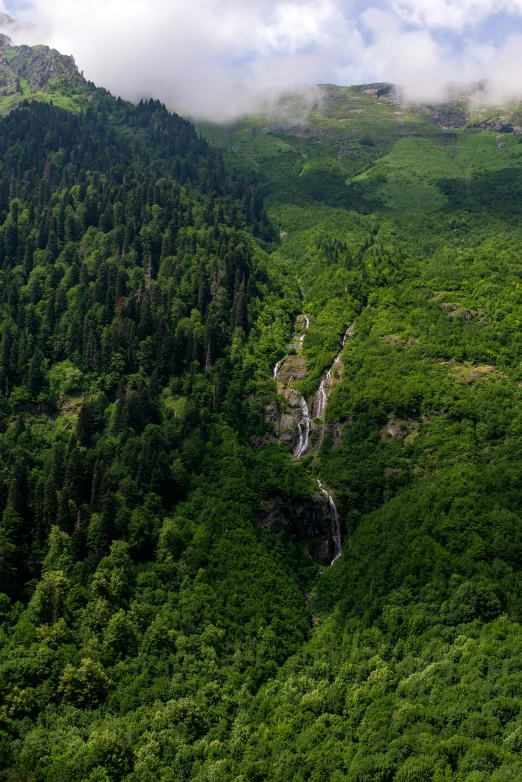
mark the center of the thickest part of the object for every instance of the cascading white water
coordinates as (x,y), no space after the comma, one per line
(321,399)
(336,526)
(304,430)
(300,345)
(301,338)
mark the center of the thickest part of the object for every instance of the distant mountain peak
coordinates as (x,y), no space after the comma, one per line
(6,20)
(25,70)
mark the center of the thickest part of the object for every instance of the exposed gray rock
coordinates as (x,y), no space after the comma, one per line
(406,430)
(307,519)
(378,90)
(273,417)
(448,117)
(334,430)
(501,127)
(292,368)
(41,67)
(288,429)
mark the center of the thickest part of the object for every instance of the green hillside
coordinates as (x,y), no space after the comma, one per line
(260,438)
(41,74)
(413,233)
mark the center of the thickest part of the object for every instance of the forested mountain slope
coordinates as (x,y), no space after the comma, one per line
(410,231)
(132,297)
(171,609)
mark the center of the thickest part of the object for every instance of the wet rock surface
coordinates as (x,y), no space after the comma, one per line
(308,519)
(292,368)
(292,423)
(291,416)
(322,551)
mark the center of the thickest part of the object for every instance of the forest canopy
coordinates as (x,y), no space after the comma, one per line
(169,608)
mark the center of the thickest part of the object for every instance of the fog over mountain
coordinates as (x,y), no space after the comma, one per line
(218,59)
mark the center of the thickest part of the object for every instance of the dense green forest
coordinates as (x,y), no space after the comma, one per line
(166,611)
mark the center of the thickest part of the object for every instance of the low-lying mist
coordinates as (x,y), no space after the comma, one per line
(219,60)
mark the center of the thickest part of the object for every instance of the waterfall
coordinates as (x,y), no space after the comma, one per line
(321,399)
(304,430)
(301,338)
(300,345)
(336,526)
(347,334)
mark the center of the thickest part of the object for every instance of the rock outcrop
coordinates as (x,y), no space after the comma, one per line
(308,520)
(26,69)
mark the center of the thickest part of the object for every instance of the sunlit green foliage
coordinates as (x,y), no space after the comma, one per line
(151,630)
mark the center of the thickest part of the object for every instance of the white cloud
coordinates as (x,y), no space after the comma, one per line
(217,58)
(424,63)
(200,56)
(452,14)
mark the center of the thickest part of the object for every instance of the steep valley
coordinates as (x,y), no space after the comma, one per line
(260,438)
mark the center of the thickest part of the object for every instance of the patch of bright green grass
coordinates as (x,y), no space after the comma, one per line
(390,156)
(248,143)
(176,404)
(10,102)
(24,86)
(411,171)
(492,151)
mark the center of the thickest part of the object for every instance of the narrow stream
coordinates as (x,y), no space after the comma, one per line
(303,427)
(304,424)
(321,399)
(304,430)
(300,345)
(301,338)
(336,525)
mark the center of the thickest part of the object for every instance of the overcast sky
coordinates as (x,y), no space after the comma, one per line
(214,57)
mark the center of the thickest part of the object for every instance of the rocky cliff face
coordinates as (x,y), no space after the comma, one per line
(309,520)
(315,520)
(27,69)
